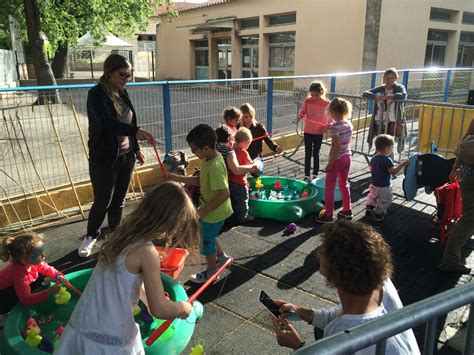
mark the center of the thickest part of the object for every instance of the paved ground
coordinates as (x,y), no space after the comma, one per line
(235,322)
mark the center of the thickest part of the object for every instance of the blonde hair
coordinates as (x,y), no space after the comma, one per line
(317,86)
(339,106)
(112,63)
(243,135)
(19,247)
(248,108)
(166,215)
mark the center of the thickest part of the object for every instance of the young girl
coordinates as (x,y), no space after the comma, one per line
(315,119)
(355,260)
(25,256)
(102,321)
(339,162)
(231,117)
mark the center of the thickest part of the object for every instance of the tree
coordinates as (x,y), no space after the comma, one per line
(64,21)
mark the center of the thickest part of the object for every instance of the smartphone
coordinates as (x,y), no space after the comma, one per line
(270,304)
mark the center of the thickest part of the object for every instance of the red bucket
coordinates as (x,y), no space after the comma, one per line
(172,261)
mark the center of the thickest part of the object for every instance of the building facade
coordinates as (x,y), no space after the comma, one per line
(254,38)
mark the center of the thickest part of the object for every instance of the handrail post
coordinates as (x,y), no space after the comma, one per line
(270,105)
(332,87)
(430,336)
(446,86)
(406,74)
(373,78)
(469,341)
(167,117)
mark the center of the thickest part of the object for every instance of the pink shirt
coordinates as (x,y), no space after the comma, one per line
(18,276)
(343,130)
(314,110)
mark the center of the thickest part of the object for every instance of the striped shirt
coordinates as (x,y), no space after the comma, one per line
(314,110)
(343,130)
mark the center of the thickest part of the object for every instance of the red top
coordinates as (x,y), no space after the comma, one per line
(18,276)
(243,158)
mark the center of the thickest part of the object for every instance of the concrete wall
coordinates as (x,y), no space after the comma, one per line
(8,71)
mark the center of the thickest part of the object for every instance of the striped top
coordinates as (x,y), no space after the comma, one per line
(343,130)
(314,110)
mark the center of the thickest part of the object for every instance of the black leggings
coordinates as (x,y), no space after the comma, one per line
(312,145)
(8,297)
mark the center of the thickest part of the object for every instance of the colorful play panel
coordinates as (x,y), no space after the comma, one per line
(283,199)
(49,316)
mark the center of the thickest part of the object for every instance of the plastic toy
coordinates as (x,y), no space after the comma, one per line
(46,345)
(62,296)
(277,185)
(290,229)
(31,323)
(145,316)
(292,209)
(305,194)
(136,310)
(320,185)
(198,349)
(33,338)
(12,343)
(258,184)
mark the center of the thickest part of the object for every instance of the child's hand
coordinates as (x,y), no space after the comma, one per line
(53,289)
(406,163)
(254,168)
(140,158)
(61,279)
(202,212)
(286,307)
(187,309)
(287,336)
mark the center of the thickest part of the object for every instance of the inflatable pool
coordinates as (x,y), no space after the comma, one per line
(49,316)
(292,209)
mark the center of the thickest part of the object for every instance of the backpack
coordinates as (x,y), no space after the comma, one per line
(449,203)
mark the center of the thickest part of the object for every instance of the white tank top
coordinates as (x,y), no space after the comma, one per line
(104,311)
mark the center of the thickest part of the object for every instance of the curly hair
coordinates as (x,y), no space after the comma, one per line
(18,247)
(358,258)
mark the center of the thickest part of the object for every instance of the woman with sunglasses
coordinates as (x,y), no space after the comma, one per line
(113,147)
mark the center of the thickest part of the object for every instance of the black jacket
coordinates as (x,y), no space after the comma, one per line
(104,127)
(256,147)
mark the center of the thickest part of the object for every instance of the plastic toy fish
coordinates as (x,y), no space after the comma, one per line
(62,296)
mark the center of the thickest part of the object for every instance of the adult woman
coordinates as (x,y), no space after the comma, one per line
(389,114)
(113,146)
(258,131)
(464,227)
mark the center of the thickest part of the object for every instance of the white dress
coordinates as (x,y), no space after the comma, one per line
(102,321)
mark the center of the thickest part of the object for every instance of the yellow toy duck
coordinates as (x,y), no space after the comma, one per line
(258,184)
(62,296)
(33,338)
(198,349)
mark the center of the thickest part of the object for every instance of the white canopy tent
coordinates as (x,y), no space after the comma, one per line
(87,42)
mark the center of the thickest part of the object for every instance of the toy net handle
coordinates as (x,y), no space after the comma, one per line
(163,170)
(162,328)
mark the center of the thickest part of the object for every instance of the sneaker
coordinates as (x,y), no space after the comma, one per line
(85,249)
(307,178)
(345,214)
(221,260)
(378,216)
(369,210)
(458,268)
(323,218)
(202,277)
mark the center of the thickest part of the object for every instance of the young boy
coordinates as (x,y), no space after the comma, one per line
(239,193)
(382,168)
(214,205)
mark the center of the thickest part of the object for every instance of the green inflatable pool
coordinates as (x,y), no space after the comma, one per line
(284,210)
(50,315)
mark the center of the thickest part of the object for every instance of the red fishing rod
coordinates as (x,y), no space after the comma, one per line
(163,170)
(264,136)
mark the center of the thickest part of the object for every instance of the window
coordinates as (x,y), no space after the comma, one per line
(436,48)
(282,51)
(282,19)
(466,50)
(201,62)
(440,15)
(249,23)
(468,18)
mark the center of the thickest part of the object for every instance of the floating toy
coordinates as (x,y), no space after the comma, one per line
(46,345)
(31,323)
(290,229)
(198,349)
(136,310)
(33,339)
(258,184)
(59,332)
(62,297)
(305,194)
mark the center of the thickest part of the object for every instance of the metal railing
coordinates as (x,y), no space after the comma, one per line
(42,146)
(379,330)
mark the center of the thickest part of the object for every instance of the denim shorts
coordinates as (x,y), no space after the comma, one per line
(209,233)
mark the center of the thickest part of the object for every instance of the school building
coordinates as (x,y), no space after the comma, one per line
(222,39)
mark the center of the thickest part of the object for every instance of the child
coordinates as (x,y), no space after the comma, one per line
(102,321)
(239,193)
(25,256)
(339,162)
(314,112)
(381,168)
(231,117)
(214,206)
(355,260)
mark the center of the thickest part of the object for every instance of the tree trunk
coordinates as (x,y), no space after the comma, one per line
(59,62)
(44,75)
(373,9)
